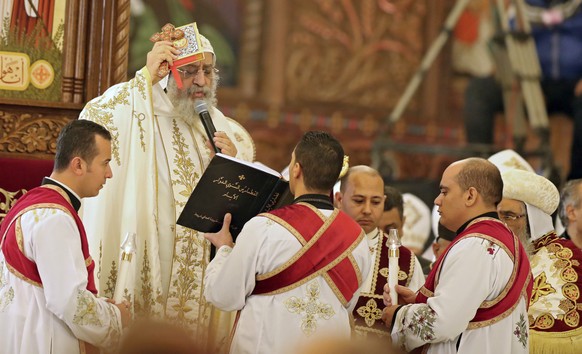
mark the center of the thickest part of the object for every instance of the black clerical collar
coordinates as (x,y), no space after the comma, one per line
(320,201)
(75,201)
(491,214)
(565,235)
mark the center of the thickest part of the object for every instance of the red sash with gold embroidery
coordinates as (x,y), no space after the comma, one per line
(520,283)
(368,310)
(558,280)
(12,248)
(327,246)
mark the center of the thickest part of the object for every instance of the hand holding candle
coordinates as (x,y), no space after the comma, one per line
(393,244)
(128,250)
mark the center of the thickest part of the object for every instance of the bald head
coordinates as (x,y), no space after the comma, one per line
(361,196)
(357,170)
(483,176)
(468,188)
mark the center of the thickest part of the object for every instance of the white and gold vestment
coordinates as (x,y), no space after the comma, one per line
(158,157)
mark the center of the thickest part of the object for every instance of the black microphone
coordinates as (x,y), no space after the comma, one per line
(202,109)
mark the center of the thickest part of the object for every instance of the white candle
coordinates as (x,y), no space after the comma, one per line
(393,244)
(128,250)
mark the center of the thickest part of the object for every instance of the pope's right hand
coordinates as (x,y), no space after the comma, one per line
(161,52)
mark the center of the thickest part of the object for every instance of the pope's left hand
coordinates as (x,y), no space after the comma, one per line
(224,144)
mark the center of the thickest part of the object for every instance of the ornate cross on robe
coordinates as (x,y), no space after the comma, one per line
(168,33)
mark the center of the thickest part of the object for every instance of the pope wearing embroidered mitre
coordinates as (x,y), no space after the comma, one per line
(160,150)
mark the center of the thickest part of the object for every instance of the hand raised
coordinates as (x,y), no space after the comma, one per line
(161,52)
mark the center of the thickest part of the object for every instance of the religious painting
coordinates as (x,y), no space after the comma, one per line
(218,20)
(31,49)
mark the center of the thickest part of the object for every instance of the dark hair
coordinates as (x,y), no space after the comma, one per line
(484,177)
(569,196)
(393,200)
(77,138)
(320,156)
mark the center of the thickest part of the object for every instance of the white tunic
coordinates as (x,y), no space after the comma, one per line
(53,319)
(275,323)
(473,271)
(158,158)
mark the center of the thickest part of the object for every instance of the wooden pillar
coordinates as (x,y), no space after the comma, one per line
(81,52)
(433,96)
(250,68)
(69,49)
(107,53)
(274,54)
(96,47)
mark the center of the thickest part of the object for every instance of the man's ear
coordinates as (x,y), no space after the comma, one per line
(571,213)
(77,165)
(338,199)
(296,170)
(471,195)
(435,247)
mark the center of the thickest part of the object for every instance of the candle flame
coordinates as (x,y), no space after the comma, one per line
(393,241)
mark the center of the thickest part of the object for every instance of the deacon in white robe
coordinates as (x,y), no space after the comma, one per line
(160,150)
(282,322)
(362,197)
(443,320)
(476,295)
(296,272)
(48,301)
(53,319)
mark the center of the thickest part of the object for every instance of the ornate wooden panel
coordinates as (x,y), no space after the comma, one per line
(94,55)
(29,131)
(358,53)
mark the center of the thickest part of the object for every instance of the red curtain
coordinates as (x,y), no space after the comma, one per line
(21,20)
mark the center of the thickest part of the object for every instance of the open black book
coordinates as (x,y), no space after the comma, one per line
(231,185)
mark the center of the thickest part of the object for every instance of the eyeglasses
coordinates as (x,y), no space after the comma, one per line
(192,71)
(510,217)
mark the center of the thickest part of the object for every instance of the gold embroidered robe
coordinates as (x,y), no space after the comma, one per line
(157,160)
(555,304)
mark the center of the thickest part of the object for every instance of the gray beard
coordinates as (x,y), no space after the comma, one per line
(183,104)
(525,239)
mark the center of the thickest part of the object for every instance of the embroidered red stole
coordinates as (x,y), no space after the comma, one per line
(519,284)
(47,196)
(327,246)
(368,311)
(566,259)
